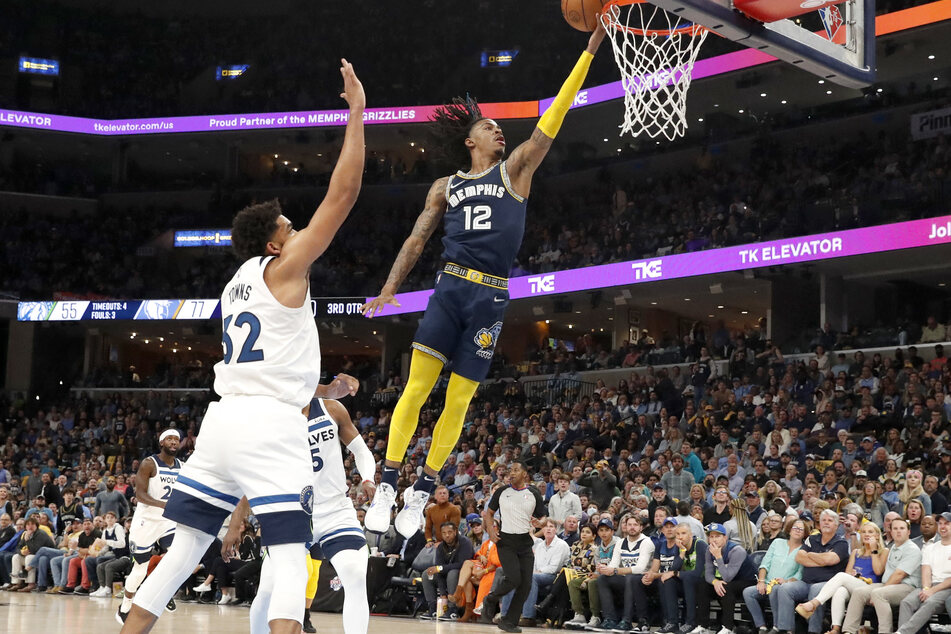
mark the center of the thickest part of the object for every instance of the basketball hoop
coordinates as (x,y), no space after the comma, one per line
(655,51)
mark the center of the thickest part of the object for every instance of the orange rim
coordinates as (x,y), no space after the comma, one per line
(692,29)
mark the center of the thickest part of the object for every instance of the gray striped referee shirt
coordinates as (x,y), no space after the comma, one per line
(516,508)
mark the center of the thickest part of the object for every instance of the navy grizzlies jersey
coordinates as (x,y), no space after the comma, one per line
(485,221)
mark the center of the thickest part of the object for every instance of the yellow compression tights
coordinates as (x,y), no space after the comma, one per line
(424,369)
(313,576)
(449,426)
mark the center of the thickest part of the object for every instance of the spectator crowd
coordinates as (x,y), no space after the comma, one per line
(767,485)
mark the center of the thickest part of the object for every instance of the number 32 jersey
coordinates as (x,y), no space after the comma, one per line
(269,349)
(485,221)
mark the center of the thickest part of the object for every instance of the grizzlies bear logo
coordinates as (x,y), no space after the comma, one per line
(486,339)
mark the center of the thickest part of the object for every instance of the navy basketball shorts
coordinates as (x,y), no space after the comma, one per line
(462,324)
(254,446)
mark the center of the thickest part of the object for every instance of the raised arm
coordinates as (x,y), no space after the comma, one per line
(412,248)
(526,158)
(302,248)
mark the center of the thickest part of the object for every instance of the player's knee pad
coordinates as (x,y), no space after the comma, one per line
(290,581)
(179,562)
(135,578)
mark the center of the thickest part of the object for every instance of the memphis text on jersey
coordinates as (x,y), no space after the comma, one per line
(482,189)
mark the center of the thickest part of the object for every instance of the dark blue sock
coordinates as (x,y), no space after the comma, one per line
(425,483)
(390,475)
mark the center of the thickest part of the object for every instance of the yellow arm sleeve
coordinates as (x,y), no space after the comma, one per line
(551,121)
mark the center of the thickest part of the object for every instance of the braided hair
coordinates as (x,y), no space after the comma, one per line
(451,124)
(743,525)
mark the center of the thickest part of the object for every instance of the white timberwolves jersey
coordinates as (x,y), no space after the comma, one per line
(330,480)
(160,487)
(269,349)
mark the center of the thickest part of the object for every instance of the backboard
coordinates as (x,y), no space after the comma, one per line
(840,49)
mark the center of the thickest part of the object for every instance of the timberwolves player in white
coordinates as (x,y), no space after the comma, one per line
(153,485)
(484,217)
(337,531)
(253,442)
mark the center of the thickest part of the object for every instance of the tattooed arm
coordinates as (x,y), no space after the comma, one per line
(412,248)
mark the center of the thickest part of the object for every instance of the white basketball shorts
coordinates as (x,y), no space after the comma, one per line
(254,446)
(146,532)
(336,527)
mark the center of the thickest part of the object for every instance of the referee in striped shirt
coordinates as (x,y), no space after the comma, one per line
(521,507)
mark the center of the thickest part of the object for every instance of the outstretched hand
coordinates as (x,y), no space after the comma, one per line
(597,36)
(374,306)
(352,88)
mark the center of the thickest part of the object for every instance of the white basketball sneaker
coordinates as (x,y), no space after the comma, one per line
(410,519)
(377,518)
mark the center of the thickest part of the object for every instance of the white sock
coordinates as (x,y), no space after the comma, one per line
(126,604)
(351,567)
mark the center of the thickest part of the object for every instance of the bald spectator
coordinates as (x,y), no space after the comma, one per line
(570,530)
(933,331)
(822,556)
(887,527)
(440,512)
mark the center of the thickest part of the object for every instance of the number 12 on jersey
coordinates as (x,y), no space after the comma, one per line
(248,351)
(478,217)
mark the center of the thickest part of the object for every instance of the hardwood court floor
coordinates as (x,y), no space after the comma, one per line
(38,613)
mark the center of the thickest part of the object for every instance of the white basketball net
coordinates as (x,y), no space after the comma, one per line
(655,69)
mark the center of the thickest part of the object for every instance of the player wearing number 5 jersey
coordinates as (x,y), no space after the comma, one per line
(253,442)
(337,531)
(484,212)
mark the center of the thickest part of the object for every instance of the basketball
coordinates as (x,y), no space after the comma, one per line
(582,14)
